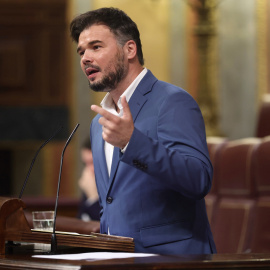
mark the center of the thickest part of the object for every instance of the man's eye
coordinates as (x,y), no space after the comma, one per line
(96,47)
(81,53)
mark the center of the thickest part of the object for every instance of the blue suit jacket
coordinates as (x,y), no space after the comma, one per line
(156,189)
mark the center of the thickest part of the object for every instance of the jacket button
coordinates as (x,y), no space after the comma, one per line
(109,200)
(135,162)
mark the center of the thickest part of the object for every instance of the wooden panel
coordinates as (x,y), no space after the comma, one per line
(12,57)
(33,49)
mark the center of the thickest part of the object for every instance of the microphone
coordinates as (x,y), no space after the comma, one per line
(53,239)
(33,161)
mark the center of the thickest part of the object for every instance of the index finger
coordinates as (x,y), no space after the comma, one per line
(102,112)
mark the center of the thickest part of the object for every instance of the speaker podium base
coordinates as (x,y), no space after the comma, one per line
(14,227)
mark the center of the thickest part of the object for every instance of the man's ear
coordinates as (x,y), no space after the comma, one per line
(131,49)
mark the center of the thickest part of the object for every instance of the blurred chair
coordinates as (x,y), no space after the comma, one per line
(214,144)
(232,223)
(263,124)
(261,233)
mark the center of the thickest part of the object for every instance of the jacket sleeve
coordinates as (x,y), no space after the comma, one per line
(178,154)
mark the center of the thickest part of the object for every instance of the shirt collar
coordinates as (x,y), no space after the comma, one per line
(107,102)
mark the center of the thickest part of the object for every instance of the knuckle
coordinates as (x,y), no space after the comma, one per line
(100,120)
(118,121)
(104,136)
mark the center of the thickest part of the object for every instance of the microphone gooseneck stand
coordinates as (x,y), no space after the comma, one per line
(33,161)
(53,239)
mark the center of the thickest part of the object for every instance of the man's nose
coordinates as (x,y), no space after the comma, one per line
(87,57)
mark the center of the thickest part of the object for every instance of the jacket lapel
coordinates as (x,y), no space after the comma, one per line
(136,102)
(101,158)
(115,163)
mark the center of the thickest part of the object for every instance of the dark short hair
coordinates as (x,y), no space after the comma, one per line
(87,144)
(118,22)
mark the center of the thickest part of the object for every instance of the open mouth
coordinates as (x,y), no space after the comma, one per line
(91,72)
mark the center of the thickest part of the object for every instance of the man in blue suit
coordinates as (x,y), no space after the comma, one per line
(148,141)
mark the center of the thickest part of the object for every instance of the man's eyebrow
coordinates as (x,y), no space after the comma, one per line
(89,43)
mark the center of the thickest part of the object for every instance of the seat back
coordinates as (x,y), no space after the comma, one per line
(260,242)
(263,124)
(214,144)
(234,175)
(261,164)
(232,222)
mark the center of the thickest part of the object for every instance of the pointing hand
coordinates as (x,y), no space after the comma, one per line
(116,130)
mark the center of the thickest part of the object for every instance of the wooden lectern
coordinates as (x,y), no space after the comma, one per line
(15,227)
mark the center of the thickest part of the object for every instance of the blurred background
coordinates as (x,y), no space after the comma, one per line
(217,50)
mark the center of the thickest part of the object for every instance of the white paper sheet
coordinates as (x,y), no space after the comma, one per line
(95,256)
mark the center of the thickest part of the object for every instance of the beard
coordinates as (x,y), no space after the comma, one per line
(111,78)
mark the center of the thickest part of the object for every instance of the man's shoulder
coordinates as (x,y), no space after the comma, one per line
(156,84)
(169,89)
